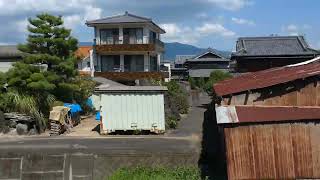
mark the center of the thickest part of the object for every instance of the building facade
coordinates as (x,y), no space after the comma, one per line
(260,53)
(269,122)
(126,46)
(201,65)
(9,54)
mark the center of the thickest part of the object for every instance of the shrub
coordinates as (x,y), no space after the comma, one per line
(192,83)
(171,122)
(178,96)
(216,76)
(157,173)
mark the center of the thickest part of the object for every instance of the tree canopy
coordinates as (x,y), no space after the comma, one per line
(47,71)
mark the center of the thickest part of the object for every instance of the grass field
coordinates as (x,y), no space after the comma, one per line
(158,173)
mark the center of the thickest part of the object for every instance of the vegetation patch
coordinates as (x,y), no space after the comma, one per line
(157,173)
(176,103)
(206,84)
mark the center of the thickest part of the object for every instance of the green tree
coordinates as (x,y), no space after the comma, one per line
(47,71)
(216,76)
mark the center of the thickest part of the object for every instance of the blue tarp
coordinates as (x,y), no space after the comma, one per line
(75,108)
(98,116)
(89,103)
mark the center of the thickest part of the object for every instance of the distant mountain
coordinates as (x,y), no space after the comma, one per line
(173,49)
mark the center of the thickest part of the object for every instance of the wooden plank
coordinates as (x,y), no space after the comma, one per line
(302,150)
(306,96)
(283,151)
(240,157)
(263,151)
(315,148)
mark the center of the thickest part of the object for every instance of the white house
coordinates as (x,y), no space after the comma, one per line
(124,44)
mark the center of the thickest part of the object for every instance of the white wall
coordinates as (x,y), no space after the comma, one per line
(5,66)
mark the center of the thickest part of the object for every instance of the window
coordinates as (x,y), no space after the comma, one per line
(109,36)
(153,63)
(152,37)
(133,36)
(88,64)
(133,63)
(110,63)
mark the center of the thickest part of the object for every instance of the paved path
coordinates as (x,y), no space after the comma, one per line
(191,125)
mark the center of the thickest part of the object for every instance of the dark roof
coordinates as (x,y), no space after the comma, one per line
(269,77)
(10,51)
(197,58)
(273,46)
(125,18)
(208,60)
(207,51)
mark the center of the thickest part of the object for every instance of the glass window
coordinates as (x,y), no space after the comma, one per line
(133,63)
(133,36)
(109,36)
(153,63)
(110,63)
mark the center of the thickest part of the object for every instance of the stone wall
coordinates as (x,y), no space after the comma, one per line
(79,166)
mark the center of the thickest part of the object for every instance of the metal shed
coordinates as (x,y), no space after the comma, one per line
(131,108)
(269,121)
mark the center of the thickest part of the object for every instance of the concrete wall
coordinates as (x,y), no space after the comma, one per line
(79,166)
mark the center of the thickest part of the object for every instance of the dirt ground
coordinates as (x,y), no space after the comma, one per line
(87,127)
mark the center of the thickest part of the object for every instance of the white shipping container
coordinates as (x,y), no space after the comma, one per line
(132,108)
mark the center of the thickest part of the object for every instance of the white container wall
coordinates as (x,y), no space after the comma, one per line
(132,111)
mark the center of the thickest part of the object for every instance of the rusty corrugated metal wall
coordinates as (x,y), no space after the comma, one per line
(273,151)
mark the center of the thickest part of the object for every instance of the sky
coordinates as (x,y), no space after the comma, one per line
(203,23)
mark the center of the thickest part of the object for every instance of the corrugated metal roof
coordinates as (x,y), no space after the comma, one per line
(110,88)
(251,114)
(273,46)
(269,77)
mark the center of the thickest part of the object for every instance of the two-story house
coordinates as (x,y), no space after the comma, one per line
(126,47)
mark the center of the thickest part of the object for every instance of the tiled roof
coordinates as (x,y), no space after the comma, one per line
(10,51)
(83,51)
(273,46)
(125,18)
(209,50)
(269,77)
(208,60)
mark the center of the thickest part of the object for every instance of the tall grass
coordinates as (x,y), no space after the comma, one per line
(156,173)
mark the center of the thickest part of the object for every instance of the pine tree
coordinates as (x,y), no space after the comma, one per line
(52,45)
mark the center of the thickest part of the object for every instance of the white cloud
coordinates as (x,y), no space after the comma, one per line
(231,4)
(92,13)
(216,29)
(294,30)
(72,21)
(176,33)
(242,21)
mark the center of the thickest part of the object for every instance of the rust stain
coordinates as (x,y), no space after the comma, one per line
(276,113)
(266,78)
